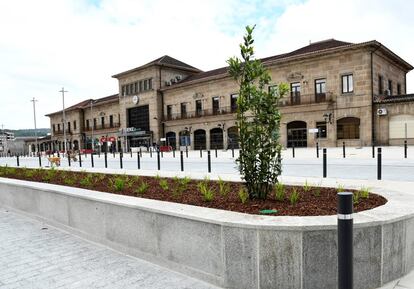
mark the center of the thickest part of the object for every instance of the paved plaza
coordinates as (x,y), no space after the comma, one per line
(34,255)
(358,163)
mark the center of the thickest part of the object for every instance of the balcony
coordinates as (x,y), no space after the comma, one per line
(60,132)
(104,126)
(200,113)
(295,98)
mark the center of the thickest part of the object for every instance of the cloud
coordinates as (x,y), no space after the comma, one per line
(79,44)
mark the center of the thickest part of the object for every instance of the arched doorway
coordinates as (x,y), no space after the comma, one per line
(297,134)
(75,145)
(233,137)
(200,139)
(216,138)
(171,139)
(33,148)
(347,128)
(185,138)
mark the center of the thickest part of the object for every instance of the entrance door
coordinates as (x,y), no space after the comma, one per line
(297,134)
(200,139)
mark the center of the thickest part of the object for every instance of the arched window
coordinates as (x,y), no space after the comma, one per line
(347,128)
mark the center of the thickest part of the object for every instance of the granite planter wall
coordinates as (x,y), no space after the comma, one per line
(229,249)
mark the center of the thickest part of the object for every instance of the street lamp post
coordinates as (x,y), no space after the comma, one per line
(93,124)
(64,119)
(34,118)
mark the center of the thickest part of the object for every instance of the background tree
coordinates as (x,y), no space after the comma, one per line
(258,121)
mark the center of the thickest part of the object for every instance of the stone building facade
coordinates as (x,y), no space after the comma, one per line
(339,92)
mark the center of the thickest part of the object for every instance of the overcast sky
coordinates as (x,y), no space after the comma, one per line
(80,44)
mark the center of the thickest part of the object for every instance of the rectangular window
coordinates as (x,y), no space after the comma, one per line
(127,89)
(398,89)
(322,132)
(295,93)
(233,102)
(103,122)
(169,112)
(74,124)
(150,83)
(390,86)
(131,88)
(136,87)
(145,85)
(274,87)
(216,105)
(54,129)
(140,86)
(68,129)
(87,124)
(111,121)
(94,123)
(320,90)
(123,90)
(199,107)
(183,110)
(380,85)
(58,126)
(347,83)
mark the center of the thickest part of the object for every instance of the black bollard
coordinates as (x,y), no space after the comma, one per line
(216,152)
(345,241)
(158,160)
(130,150)
(174,153)
(293,150)
(379,164)
(69,160)
(324,163)
(373,151)
(201,153)
(138,161)
(106,159)
(182,160)
(209,161)
(80,159)
(150,152)
(405,149)
(232,152)
(18,163)
(92,163)
(121,165)
(343,149)
(186,151)
(317,150)
(40,160)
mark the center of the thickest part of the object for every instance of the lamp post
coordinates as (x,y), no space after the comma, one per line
(64,119)
(222,126)
(34,118)
(93,124)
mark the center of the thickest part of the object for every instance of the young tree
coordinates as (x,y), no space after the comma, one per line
(258,121)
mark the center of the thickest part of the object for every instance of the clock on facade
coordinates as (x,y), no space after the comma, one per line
(135,99)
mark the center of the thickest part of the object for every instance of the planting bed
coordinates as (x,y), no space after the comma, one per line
(313,200)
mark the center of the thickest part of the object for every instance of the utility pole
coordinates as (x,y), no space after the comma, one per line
(64,118)
(93,124)
(34,118)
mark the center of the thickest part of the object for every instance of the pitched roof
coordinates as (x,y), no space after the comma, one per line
(166,61)
(325,46)
(86,103)
(395,98)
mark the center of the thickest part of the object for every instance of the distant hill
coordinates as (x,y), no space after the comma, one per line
(29,132)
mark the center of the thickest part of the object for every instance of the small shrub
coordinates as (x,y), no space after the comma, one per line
(279,191)
(157,177)
(307,187)
(164,184)
(224,187)
(119,184)
(205,190)
(340,188)
(142,188)
(29,173)
(355,197)
(50,174)
(294,197)
(317,190)
(364,192)
(69,181)
(243,195)
(86,181)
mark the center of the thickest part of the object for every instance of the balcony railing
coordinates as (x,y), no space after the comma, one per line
(104,126)
(200,113)
(60,132)
(295,98)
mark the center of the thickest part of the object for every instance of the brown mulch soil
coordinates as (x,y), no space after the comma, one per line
(309,204)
